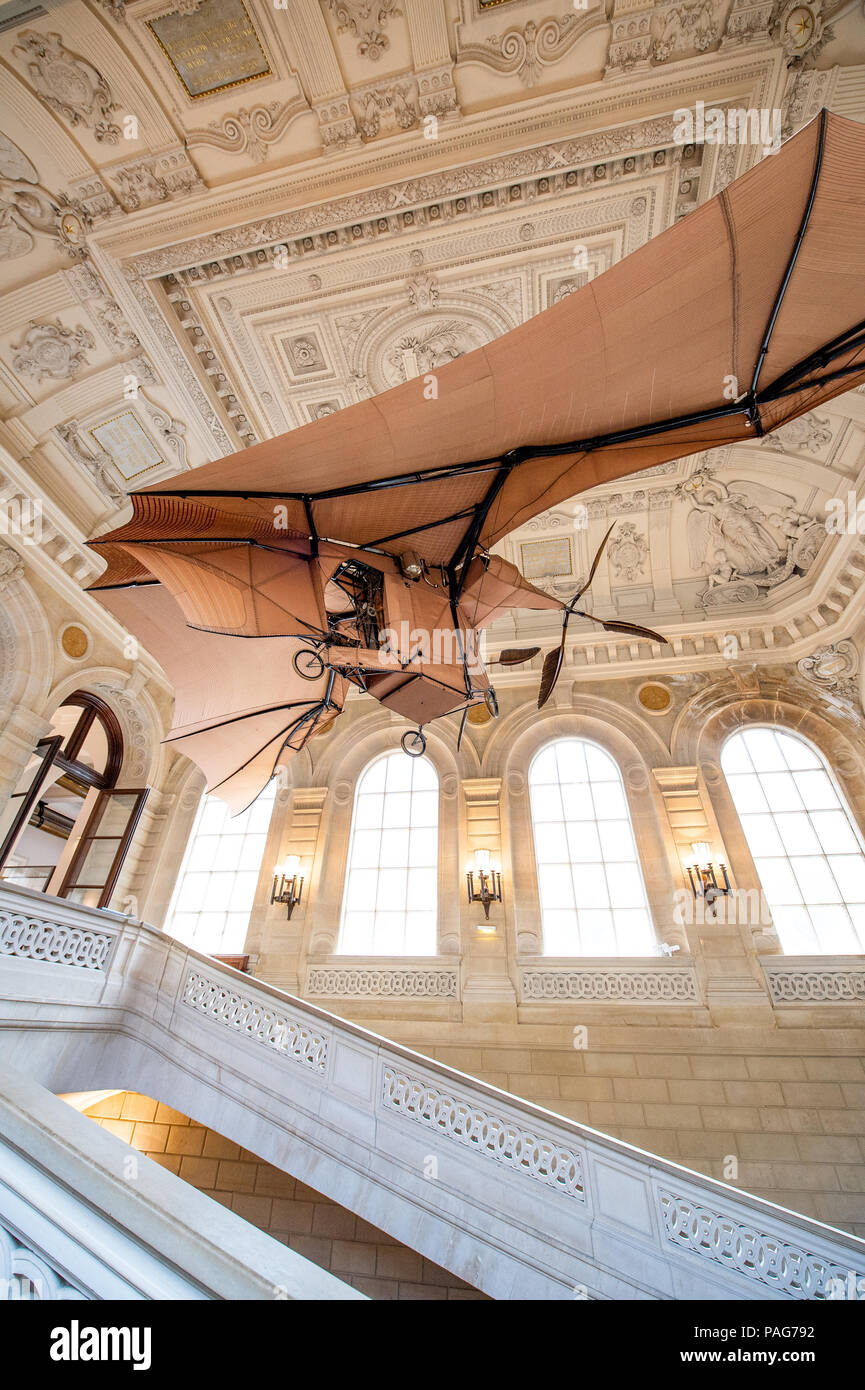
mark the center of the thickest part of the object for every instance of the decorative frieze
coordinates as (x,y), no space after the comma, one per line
(810,981)
(58,943)
(497,1137)
(382,984)
(752,1251)
(622,984)
(274,1027)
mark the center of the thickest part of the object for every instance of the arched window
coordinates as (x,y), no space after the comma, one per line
(67,827)
(390,900)
(593,899)
(805,844)
(216,886)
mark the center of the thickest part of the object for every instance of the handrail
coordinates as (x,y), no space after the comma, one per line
(516,1200)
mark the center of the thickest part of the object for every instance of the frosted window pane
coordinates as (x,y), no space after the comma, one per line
(762,835)
(747,793)
(806,846)
(586,855)
(390,901)
(797,833)
(552,843)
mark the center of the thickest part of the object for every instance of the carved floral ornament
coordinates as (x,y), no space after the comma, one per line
(68,84)
(366,20)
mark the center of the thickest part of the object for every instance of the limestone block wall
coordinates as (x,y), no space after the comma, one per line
(789,1111)
(303,1219)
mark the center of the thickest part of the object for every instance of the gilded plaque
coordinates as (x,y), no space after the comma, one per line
(130,446)
(542,558)
(211,48)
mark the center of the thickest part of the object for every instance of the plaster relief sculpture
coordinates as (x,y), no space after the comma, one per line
(93,459)
(628,551)
(808,432)
(428,348)
(52,350)
(11,566)
(746,538)
(693,27)
(366,20)
(68,84)
(386,110)
(529,50)
(28,210)
(834,669)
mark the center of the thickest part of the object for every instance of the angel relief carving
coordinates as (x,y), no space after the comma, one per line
(28,210)
(746,538)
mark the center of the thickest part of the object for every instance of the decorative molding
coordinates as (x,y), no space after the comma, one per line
(527,51)
(56,943)
(275,1028)
(625,984)
(251,130)
(813,980)
(391,983)
(68,84)
(482,1130)
(564,165)
(28,1276)
(757,1254)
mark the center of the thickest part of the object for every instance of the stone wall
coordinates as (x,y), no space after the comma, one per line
(313,1225)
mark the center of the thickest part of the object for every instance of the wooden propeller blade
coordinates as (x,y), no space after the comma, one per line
(614,625)
(550,672)
(515,656)
(462,727)
(595,563)
(636,631)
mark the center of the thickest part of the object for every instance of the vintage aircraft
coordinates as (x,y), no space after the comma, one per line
(358,550)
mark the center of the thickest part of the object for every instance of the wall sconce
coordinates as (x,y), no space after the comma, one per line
(489,879)
(287,883)
(702,875)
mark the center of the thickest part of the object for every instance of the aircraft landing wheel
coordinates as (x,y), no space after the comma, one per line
(413,743)
(491,702)
(308,664)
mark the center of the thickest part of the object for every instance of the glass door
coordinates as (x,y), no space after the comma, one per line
(16,816)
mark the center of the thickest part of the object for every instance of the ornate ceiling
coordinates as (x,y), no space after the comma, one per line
(219,220)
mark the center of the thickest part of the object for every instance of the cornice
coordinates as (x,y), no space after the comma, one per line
(165,231)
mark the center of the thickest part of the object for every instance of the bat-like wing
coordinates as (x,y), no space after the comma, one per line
(740,317)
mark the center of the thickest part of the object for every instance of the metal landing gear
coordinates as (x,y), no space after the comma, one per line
(413,743)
